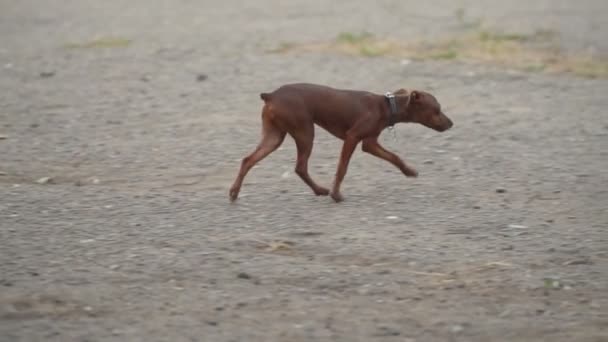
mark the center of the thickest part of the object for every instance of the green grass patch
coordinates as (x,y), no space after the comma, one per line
(534,52)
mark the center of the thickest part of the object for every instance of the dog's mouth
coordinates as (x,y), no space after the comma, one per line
(443,125)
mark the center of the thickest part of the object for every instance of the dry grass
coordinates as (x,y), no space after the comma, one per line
(105,42)
(537,52)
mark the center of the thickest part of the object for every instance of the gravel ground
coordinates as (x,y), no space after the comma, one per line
(501,238)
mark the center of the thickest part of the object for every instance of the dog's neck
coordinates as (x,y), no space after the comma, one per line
(395,113)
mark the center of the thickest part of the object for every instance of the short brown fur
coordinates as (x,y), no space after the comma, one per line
(351,115)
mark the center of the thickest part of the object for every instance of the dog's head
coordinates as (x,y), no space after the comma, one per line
(423,108)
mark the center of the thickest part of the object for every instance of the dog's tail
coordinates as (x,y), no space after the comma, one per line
(265,97)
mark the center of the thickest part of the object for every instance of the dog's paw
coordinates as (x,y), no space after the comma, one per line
(321,191)
(233,194)
(337,197)
(411,173)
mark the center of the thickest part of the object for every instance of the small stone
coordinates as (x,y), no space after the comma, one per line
(508,248)
(3,137)
(428,162)
(392,217)
(212,323)
(201,77)
(114,267)
(579,261)
(387,331)
(552,284)
(517,226)
(87,309)
(45,180)
(87,240)
(501,190)
(95,181)
(2,173)
(476,207)
(405,62)
(47,74)
(243,275)
(457,328)
(285,175)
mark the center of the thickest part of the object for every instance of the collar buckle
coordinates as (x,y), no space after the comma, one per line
(392,116)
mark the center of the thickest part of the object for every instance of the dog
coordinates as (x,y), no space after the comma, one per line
(351,115)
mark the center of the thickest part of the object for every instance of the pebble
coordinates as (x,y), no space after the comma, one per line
(47,74)
(501,190)
(243,275)
(579,261)
(428,161)
(457,328)
(387,331)
(517,226)
(201,77)
(3,137)
(45,180)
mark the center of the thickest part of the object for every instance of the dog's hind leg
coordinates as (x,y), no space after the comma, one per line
(272,137)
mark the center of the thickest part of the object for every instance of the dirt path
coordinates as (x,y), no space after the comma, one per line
(140,113)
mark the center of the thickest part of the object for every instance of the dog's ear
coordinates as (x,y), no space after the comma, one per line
(400,91)
(415,95)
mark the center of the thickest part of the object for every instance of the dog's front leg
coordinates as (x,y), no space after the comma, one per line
(373,147)
(350,143)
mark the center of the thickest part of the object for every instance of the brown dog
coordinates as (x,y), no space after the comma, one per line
(353,116)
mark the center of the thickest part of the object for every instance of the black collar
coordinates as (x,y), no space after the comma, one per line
(392,103)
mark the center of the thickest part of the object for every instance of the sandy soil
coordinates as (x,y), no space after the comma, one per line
(501,238)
